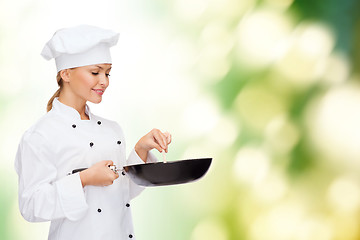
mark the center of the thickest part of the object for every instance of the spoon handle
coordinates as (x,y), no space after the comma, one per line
(164,156)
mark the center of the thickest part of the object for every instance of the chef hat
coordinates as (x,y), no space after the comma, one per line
(80,46)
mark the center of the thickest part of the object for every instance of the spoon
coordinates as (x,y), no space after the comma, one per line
(168,136)
(164,156)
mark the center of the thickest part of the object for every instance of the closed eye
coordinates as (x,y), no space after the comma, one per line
(94,73)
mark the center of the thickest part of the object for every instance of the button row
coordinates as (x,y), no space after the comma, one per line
(127,205)
(92,144)
(74,125)
(99,209)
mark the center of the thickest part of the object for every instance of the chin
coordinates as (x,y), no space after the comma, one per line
(95,101)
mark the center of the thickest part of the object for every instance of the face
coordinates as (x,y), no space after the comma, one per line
(87,83)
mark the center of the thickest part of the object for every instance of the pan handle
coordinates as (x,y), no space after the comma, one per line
(78,170)
(113,168)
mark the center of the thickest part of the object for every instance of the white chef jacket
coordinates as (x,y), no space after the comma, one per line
(58,143)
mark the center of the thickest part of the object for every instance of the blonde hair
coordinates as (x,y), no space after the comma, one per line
(57,93)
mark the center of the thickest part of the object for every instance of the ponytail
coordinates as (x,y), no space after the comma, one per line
(57,93)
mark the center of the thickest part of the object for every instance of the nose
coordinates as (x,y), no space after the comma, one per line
(104,81)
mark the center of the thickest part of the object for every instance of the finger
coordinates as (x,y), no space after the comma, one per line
(156,146)
(168,137)
(109,163)
(112,175)
(165,139)
(115,176)
(159,138)
(168,140)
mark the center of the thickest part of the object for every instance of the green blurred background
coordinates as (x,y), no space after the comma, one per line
(268,88)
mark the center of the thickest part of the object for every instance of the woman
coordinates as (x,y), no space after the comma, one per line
(94,203)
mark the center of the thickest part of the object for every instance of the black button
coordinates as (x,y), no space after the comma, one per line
(118,142)
(74,126)
(91,144)
(99,122)
(123,173)
(130,236)
(127,205)
(99,210)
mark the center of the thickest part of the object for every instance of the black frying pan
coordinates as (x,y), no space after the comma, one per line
(168,173)
(165,173)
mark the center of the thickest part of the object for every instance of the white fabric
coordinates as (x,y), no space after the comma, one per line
(80,46)
(50,150)
(96,55)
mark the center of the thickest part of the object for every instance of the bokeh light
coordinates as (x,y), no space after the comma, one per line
(269,89)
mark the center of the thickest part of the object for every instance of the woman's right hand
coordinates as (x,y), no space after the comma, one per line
(99,174)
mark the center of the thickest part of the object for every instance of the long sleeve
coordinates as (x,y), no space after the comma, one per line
(133,159)
(41,196)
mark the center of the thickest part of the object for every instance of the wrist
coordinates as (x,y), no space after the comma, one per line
(83,178)
(141,152)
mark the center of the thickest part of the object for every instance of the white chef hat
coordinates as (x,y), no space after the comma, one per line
(80,46)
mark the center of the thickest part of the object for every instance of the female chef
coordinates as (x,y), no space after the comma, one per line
(94,203)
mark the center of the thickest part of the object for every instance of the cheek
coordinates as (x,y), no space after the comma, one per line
(87,80)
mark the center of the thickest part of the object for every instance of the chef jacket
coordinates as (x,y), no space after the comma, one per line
(48,152)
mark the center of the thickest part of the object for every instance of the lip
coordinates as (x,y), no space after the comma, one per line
(99,92)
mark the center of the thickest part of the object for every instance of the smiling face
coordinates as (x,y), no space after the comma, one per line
(87,83)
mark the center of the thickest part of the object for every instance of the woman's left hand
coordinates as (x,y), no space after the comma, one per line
(154,139)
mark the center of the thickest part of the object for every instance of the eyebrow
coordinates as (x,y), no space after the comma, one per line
(102,67)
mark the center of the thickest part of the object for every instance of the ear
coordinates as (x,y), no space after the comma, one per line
(65,75)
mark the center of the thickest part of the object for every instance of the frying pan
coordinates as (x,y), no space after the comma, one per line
(168,173)
(164,173)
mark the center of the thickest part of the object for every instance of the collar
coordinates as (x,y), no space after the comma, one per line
(68,111)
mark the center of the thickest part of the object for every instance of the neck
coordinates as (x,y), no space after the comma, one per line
(76,103)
